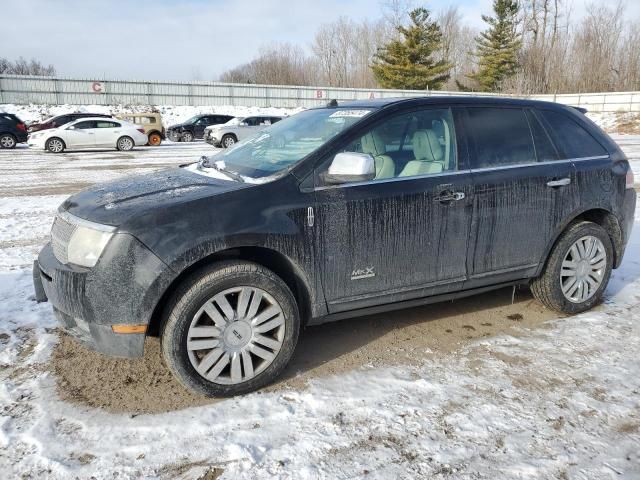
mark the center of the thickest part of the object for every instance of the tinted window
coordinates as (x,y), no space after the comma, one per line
(572,140)
(501,136)
(252,121)
(85,125)
(545,150)
(203,121)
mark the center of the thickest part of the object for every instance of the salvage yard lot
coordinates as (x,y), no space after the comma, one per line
(479,388)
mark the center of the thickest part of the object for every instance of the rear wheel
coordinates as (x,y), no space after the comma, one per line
(55,145)
(230,329)
(7,141)
(155,139)
(187,137)
(228,140)
(124,144)
(578,269)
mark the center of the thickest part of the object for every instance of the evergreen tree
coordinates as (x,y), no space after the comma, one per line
(498,47)
(407,62)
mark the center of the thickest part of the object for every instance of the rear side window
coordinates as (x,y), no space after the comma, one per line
(101,124)
(85,125)
(572,140)
(545,151)
(502,137)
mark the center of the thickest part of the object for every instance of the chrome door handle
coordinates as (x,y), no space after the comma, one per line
(450,197)
(559,183)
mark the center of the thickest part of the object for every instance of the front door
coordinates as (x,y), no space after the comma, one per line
(404,234)
(523,192)
(82,135)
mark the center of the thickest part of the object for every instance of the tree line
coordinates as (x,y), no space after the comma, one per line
(526,46)
(22,66)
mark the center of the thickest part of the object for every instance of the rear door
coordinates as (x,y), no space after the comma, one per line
(403,235)
(107,133)
(82,135)
(523,192)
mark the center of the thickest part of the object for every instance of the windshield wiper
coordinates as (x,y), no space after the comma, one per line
(205,163)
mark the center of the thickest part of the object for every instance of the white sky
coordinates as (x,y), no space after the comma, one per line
(186,39)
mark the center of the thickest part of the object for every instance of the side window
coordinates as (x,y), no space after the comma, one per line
(265,121)
(103,124)
(85,125)
(275,120)
(147,120)
(572,140)
(203,121)
(502,137)
(411,144)
(252,121)
(545,150)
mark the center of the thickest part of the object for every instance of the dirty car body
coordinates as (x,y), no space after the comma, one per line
(389,203)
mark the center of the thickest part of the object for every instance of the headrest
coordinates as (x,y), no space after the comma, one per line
(426,146)
(372,144)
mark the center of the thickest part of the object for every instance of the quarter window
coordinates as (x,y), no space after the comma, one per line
(572,140)
(545,150)
(502,137)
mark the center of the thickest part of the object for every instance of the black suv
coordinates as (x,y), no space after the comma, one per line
(59,120)
(194,127)
(336,212)
(12,130)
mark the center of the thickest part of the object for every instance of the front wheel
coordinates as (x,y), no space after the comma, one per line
(124,144)
(7,141)
(228,141)
(578,269)
(55,145)
(230,329)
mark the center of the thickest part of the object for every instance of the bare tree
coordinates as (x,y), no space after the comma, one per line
(25,67)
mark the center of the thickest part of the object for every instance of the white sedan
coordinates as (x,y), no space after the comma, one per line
(92,132)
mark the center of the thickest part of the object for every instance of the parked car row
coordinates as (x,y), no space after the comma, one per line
(91,130)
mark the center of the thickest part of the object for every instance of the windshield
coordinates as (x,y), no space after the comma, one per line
(282,145)
(192,120)
(234,121)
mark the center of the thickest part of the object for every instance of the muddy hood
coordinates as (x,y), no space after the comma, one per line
(116,202)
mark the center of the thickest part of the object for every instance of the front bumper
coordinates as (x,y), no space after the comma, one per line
(211,139)
(122,289)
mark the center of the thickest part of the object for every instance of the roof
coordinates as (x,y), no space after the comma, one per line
(443,99)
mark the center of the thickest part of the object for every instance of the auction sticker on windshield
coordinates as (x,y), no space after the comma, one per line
(350,113)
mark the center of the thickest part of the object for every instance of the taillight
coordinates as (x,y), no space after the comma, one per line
(629,183)
(21,126)
(141,130)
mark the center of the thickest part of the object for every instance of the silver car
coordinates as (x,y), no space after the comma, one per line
(237,129)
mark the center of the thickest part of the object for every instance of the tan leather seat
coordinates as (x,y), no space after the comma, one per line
(428,153)
(373,144)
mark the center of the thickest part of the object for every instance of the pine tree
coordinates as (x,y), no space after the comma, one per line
(408,62)
(498,46)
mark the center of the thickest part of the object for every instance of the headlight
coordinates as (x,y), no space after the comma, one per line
(79,241)
(86,245)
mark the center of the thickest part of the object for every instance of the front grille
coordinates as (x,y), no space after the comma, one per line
(60,235)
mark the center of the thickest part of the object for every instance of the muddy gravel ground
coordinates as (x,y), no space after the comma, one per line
(402,337)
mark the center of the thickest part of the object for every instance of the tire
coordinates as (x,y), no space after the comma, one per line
(125,144)
(228,140)
(155,139)
(577,270)
(187,137)
(8,141)
(229,345)
(55,145)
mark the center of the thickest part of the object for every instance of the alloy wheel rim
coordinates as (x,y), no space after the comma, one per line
(7,141)
(583,269)
(229,142)
(235,335)
(55,146)
(125,144)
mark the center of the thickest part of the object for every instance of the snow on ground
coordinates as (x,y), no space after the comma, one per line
(561,401)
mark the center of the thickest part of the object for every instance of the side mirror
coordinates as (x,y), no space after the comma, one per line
(348,167)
